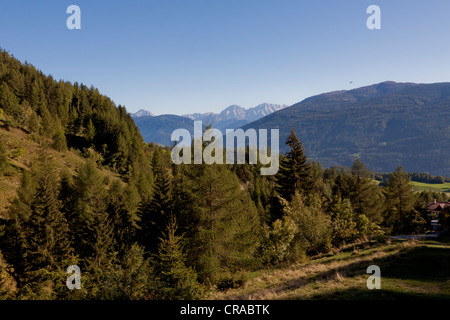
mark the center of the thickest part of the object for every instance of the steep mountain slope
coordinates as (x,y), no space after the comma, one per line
(23,152)
(385,125)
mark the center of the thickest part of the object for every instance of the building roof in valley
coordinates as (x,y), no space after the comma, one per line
(437,206)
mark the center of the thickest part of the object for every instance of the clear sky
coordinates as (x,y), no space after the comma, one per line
(185,56)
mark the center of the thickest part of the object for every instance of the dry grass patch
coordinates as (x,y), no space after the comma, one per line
(344,271)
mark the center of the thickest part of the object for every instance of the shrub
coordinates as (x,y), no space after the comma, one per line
(314,227)
(232,281)
(16,153)
(277,240)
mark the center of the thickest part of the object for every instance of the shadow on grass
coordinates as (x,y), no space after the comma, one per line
(420,272)
(424,267)
(416,263)
(382,294)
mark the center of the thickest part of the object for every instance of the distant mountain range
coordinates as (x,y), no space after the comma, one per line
(159,128)
(235,116)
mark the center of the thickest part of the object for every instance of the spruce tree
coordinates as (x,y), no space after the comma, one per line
(131,279)
(36,235)
(90,131)
(122,218)
(90,220)
(155,212)
(47,228)
(224,224)
(294,174)
(59,139)
(177,280)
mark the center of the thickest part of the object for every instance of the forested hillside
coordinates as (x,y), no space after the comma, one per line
(80,187)
(385,125)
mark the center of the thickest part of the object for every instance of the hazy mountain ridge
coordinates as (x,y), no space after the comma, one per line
(235,112)
(159,128)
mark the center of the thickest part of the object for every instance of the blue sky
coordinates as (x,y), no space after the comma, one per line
(185,56)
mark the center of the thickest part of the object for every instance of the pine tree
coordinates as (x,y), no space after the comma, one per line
(224,227)
(90,220)
(90,131)
(155,212)
(364,194)
(59,139)
(400,199)
(177,280)
(122,218)
(36,238)
(47,228)
(295,172)
(131,279)
(400,191)
(38,100)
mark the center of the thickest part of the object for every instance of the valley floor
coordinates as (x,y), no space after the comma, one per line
(413,269)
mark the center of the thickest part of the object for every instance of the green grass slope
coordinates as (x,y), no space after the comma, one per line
(409,270)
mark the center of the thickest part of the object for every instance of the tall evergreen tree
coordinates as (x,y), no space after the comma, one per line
(399,199)
(155,212)
(59,138)
(121,215)
(399,191)
(224,229)
(90,131)
(177,280)
(93,227)
(294,174)
(36,238)
(365,196)
(47,229)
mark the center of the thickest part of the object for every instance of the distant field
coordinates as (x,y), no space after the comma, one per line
(418,269)
(439,187)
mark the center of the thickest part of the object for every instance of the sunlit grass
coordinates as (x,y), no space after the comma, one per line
(439,187)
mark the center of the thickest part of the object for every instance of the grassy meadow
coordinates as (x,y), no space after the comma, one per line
(439,187)
(413,269)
